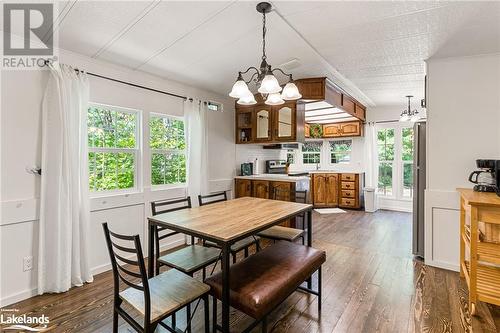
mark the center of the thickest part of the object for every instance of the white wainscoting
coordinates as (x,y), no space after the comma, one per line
(442,229)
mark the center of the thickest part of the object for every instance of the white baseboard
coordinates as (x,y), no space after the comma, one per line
(443,265)
(17,297)
(28,293)
(396,209)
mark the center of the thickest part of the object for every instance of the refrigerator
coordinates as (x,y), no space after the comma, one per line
(418,188)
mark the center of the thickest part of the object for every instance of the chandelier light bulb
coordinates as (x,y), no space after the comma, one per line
(239,90)
(269,85)
(274,99)
(247,99)
(290,92)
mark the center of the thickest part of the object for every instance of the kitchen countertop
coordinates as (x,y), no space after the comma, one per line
(275,177)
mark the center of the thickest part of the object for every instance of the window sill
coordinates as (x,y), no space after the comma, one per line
(155,188)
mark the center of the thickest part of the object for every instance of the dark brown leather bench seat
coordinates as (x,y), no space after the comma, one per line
(262,281)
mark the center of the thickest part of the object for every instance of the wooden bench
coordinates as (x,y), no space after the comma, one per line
(264,280)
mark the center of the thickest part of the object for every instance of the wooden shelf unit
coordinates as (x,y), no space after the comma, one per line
(480,260)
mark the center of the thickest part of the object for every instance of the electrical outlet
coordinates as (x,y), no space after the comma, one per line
(27,263)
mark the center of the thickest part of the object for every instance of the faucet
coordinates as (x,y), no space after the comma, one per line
(317,166)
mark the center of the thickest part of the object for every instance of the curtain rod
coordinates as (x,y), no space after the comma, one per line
(130,84)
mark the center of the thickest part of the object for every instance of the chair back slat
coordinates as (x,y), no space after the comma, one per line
(167,206)
(129,272)
(301,196)
(127,261)
(173,204)
(124,274)
(209,198)
(123,248)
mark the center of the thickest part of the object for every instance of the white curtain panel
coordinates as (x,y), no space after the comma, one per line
(195,114)
(64,200)
(371,155)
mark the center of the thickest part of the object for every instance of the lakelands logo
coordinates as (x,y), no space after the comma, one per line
(22,323)
(28,39)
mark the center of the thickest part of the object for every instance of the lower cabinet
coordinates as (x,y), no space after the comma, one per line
(325,189)
(337,190)
(260,189)
(264,189)
(242,188)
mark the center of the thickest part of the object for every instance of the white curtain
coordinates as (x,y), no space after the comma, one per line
(371,155)
(195,113)
(64,199)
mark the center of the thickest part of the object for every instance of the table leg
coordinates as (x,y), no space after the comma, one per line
(226,252)
(309,240)
(151,254)
(309,227)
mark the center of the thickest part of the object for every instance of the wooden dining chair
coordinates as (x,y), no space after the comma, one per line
(277,232)
(155,298)
(189,259)
(242,245)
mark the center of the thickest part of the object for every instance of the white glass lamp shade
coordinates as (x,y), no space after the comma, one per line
(269,85)
(404,117)
(239,90)
(290,92)
(247,99)
(415,117)
(274,99)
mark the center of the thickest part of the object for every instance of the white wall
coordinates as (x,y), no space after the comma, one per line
(463,106)
(21,96)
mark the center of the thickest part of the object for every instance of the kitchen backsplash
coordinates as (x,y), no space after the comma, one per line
(248,153)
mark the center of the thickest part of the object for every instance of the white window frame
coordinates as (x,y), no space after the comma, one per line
(330,152)
(303,153)
(397,163)
(137,152)
(403,163)
(159,187)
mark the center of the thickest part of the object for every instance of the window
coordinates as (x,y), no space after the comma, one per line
(385,144)
(311,152)
(340,151)
(407,162)
(168,150)
(113,147)
(290,156)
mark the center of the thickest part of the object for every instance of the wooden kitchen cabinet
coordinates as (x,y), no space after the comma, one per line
(269,124)
(339,130)
(325,189)
(243,188)
(331,131)
(353,128)
(307,130)
(351,194)
(260,189)
(337,190)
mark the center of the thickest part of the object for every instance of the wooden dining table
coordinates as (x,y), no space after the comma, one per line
(225,223)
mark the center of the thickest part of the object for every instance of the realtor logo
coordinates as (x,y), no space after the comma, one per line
(36,22)
(28,39)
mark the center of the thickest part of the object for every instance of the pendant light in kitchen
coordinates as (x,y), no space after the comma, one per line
(263,77)
(409,114)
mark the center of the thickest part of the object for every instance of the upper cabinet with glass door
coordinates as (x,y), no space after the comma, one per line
(284,120)
(270,124)
(263,123)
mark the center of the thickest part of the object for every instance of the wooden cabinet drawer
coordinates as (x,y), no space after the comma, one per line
(348,193)
(349,177)
(348,185)
(348,202)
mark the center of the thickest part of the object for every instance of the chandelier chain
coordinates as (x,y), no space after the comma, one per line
(264,30)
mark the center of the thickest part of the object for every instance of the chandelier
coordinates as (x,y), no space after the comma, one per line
(264,78)
(409,114)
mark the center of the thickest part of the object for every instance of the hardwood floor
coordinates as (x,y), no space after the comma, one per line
(370,284)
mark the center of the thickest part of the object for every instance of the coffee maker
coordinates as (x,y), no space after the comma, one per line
(487,179)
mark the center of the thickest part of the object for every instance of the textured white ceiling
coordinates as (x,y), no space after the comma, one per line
(376,47)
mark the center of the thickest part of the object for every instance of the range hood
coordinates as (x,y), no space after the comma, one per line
(282,146)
